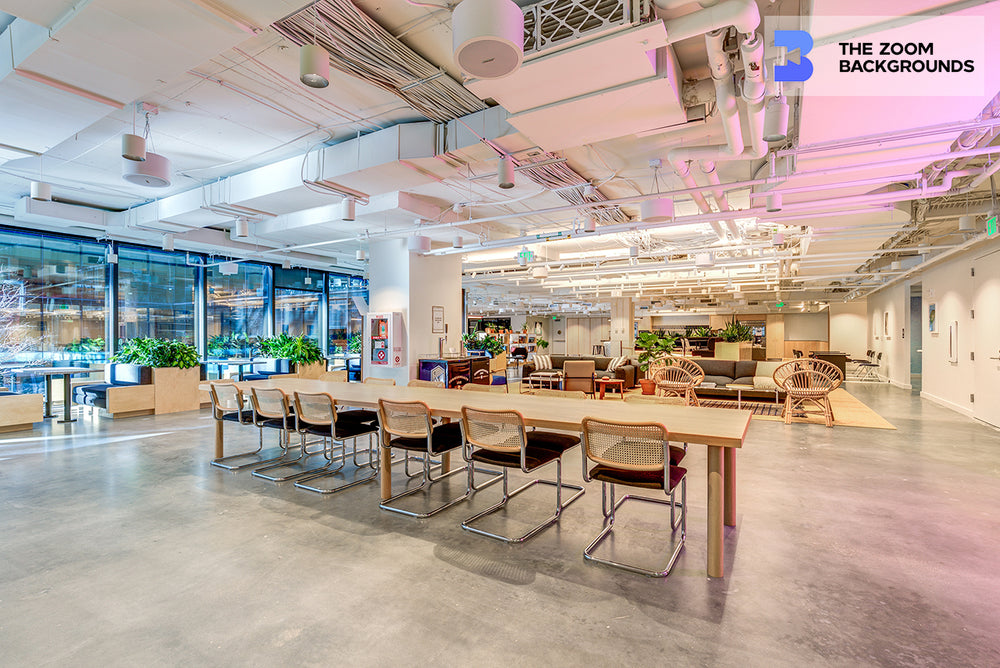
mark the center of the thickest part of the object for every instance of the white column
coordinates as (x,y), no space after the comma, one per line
(622,326)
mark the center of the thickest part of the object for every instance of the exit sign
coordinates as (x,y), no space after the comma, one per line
(779,304)
(526,255)
(991,226)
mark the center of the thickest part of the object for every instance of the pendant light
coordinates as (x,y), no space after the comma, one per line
(660,210)
(314,61)
(505,172)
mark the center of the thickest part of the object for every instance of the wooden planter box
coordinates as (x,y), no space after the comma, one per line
(175,390)
(19,412)
(742,350)
(314,371)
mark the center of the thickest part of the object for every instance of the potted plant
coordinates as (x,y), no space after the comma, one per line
(176,371)
(489,344)
(736,341)
(654,346)
(303,352)
(541,344)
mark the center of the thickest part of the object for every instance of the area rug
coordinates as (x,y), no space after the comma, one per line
(758,408)
(848,411)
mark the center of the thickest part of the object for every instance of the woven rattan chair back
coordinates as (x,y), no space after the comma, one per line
(561,394)
(631,446)
(674,377)
(226,398)
(647,399)
(269,403)
(315,408)
(426,383)
(693,368)
(809,383)
(406,419)
(379,381)
(786,370)
(476,387)
(502,431)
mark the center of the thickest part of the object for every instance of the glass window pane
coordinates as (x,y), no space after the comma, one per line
(298,279)
(237,310)
(345,318)
(156,292)
(53,302)
(296,312)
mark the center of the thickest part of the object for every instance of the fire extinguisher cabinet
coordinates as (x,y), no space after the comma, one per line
(385,340)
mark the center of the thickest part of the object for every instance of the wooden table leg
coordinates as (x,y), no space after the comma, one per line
(603,387)
(716,566)
(218,438)
(729,461)
(385,471)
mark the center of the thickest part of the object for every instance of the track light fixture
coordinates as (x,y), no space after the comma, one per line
(348,208)
(168,242)
(41,191)
(505,172)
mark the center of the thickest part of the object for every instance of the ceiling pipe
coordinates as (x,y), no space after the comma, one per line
(740,13)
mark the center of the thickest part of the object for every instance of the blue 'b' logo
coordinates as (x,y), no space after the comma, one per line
(791,40)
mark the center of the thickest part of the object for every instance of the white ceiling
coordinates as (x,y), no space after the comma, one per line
(227,101)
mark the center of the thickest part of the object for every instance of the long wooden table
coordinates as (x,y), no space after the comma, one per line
(722,430)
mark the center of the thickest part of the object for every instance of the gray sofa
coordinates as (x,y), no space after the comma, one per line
(724,372)
(626,372)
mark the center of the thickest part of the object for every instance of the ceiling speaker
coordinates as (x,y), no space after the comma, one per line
(488,37)
(153,172)
(418,244)
(657,210)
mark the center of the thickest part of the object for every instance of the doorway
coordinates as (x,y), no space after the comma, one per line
(986,339)
(916,337)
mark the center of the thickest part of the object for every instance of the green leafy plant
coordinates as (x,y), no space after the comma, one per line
(541,343)
(354,344)
(297,349)
(487,342)
(157,353)
(654,345)
(702,332)
(237,343)
(85,345)
(736,331)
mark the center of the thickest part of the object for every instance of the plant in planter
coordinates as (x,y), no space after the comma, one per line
(702,332)
(157,353)
(488,342)
(541,343)
(301,351)
(654,346)
(735,331)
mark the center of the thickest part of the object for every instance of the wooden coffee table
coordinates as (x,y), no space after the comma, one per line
(604,383)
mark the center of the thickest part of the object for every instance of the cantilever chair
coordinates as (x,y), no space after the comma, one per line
(636,455)
(407,425)
(807,384)
(379,381)
(317,415)
(426,383)
(230,405)
(271,409)
(499,438)
(560,394)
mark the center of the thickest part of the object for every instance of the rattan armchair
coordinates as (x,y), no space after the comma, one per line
(229,404)
(807,384)
(317,416)
(500,439)
(635,455)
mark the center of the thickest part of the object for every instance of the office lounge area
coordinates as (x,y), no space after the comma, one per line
(334,332)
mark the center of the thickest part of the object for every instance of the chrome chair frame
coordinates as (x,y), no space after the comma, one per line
(467,450)
(328,469)
(288,418)
(428,461)
(610,506)
(219,410)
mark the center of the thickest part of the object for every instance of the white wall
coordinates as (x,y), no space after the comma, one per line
(849,328)
(894,300)
(950,287)
(388,290)
(807,326)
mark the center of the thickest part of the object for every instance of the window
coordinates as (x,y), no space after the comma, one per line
(237,310)
(156,293)
(53,302)
(297,295)
(345,318)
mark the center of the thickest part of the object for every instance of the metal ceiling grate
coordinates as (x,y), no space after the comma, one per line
(552,22)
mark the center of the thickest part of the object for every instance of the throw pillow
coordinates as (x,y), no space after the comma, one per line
(616,362)
(764,383)
(766,369)
(543,362)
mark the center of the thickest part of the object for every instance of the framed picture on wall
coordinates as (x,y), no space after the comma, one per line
(932,318)
(437,320)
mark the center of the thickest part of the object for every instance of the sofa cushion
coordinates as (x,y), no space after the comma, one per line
(766,368)
(713,367)
(616,362)
(543,362)
(745,369)
(744,380)
(720,381)
(764,383)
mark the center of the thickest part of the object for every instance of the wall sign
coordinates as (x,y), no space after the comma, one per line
(932,318)
(437,320)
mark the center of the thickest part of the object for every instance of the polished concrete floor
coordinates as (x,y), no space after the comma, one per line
(120,545)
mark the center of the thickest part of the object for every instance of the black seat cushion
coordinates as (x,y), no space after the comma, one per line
(280,423)
(446,437)
(548,440)
(358,415)
(646,479)
(245,417)
(542,447)
(344,429)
